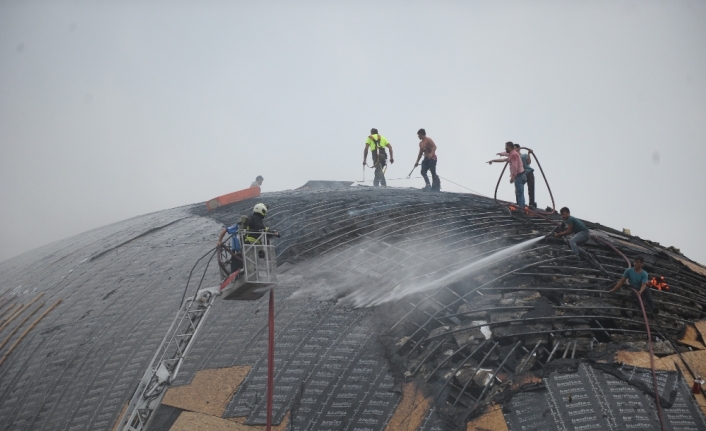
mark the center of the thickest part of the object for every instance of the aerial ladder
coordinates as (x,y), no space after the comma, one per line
(257,276)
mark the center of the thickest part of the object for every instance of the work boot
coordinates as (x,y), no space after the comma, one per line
(426,188)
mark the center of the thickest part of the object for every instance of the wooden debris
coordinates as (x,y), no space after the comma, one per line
(120,416)
(697,362)
(642,360)
(192,421)
(17,328)
(20,311)
(35,323)
(701,327)
(491,420)
(7,305)
(524,380)
(411,410)
(8,309)
(209,392)
(691,265)
(690,338)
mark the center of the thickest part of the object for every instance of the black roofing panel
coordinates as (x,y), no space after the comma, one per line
(591,399)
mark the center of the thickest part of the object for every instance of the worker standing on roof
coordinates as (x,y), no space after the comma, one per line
(517,171)
(258,181)
(529,173)
(377,144)
(573,226)
(427,147)
(637,279)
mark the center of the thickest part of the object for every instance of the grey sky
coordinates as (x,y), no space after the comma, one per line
(113,109)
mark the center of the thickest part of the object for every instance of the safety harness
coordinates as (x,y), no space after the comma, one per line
(377,151)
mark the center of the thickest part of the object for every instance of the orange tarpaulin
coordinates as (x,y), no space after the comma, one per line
(240,195)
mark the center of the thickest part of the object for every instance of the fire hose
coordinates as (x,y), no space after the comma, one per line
(659,327)
(536,212)
(649,335)
(183,296)
(652,358)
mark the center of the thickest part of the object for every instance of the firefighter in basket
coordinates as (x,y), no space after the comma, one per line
(253,225)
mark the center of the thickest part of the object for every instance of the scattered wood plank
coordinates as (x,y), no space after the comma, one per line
(35,323)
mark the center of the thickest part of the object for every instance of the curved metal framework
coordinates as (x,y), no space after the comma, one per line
(398,234)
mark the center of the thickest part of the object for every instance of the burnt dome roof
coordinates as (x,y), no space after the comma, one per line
(429,358)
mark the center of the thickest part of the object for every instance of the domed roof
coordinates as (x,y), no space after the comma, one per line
(395,309)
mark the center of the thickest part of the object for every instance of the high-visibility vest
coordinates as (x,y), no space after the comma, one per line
(375,141)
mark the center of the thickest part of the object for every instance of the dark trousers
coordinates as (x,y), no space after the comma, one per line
(379,161)
(647,299)
(236,262)
(430,165)
(530,188)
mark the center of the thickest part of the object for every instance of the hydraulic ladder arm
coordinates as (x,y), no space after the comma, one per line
(257,277)
(166,363)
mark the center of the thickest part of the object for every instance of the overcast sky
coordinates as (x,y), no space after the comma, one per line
(109,110)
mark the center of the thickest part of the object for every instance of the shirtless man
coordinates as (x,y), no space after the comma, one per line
(427,147)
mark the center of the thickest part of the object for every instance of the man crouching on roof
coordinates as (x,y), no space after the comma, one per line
(575,226)
(637,279)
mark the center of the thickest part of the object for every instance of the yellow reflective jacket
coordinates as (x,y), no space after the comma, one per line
(375,141)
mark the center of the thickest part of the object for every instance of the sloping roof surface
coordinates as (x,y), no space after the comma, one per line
(338,367)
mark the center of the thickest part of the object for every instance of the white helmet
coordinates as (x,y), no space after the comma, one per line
(260,209)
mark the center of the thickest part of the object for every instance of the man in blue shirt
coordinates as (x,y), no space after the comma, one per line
(573,226)
(637,279)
